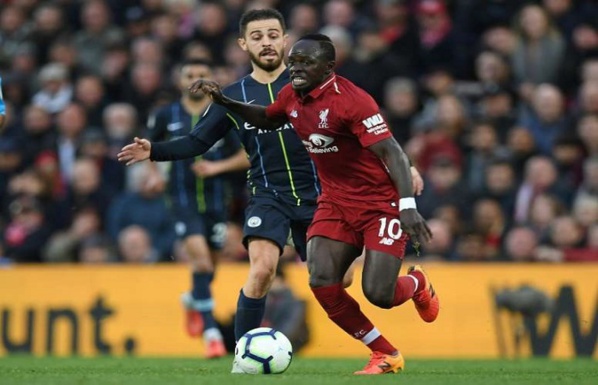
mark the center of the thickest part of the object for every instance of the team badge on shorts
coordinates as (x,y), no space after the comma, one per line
(254,221)
(180,228)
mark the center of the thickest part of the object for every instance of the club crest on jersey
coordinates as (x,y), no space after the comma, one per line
(254,221)
(324,118)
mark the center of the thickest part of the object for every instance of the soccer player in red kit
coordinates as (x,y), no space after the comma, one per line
(366,183)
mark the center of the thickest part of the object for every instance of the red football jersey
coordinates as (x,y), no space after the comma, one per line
(337,122)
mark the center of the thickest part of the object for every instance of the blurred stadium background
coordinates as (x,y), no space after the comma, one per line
(495,101)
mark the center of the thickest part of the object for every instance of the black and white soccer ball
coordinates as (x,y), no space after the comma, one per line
(263,351)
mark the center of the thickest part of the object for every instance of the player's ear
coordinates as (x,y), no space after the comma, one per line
(285,40)
(242,43)
(330,67)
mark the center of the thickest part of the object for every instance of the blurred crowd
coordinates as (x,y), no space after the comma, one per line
(495,101)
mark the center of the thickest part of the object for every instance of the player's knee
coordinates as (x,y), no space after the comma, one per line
(348,279)
(263,272)
(378,296)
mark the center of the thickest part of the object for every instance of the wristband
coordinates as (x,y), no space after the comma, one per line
(407,203)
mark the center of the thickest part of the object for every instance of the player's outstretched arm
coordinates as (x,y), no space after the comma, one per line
(141,149)
(252,113)
(397,162)
(138,151)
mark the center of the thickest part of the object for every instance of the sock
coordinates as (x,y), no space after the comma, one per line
(202,295)
(421,280)
(250,312)
(404,290)
(344,311)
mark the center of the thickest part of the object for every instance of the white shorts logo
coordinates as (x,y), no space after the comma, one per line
(254,221)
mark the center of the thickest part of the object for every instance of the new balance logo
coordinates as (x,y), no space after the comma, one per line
(294,114)
(387,241)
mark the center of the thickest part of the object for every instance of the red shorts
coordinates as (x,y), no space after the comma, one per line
(376,227)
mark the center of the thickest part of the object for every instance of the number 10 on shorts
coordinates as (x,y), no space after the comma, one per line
(390,230)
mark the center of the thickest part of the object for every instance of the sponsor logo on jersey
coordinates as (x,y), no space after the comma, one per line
(320,144)
(260,131)
(324,118)
(254,221)
(171,127)
(375,124)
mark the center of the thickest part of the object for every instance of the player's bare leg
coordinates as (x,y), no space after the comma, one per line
(383,289)
(199,303)
(263,259)
(328,261)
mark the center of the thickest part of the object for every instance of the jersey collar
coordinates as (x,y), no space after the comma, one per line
(318,91)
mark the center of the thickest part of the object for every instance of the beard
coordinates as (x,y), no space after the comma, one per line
(267,66)
(196,97)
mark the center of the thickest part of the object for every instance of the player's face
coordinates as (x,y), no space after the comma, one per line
(191,73)
(307,66)
(264,41)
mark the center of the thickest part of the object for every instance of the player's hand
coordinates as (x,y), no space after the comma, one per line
(138,151)
(205,168)
(208,87)
(417,181)
(414,224)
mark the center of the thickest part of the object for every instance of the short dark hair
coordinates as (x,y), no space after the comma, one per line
(325,44)
(260,14)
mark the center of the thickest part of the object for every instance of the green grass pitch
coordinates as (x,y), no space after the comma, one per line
(148,371)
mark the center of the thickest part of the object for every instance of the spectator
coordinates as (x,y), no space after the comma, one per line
(135,246)
(587,129)
(143,206)
(547,119)
(585,211)
(90,93)
(402,104)
(443,186)
(65,246)
(491,224)
(589,185)
(96,35)
(539,52)
(120,124)
(56,90)
(436,35)
(484,145)
(500,184)
(27,232)
(545,209)
(540,177)
(441,246)
(520,244)
(96,249)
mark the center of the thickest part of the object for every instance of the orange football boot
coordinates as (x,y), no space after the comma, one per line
(426,301)
(193,323)
(215,348)
(381,363)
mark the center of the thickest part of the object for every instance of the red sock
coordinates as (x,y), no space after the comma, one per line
(344,311)
(404,290)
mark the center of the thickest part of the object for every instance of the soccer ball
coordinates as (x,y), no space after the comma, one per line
(263,351)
